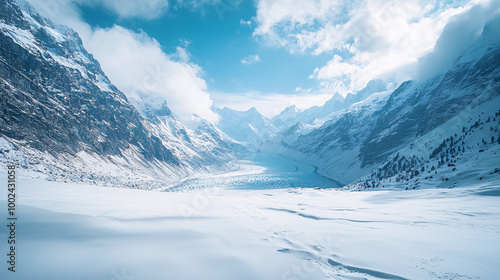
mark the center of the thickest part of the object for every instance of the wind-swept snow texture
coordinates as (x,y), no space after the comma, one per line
(69,231)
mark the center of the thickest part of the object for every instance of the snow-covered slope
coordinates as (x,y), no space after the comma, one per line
(286,118)
(61,116)
(368,133)
(71,231)
(460,152)
(249,128)
(335,146)
(206,147)
(318,115)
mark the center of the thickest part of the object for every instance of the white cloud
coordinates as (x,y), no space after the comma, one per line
(59,11)
(267,104)
(136,64)
(369,39)
(277,19)
(459,34)
(251,59)
(145,9)
(245,22)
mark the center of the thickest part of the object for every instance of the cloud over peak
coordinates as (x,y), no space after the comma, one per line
(136,64)
(368,39)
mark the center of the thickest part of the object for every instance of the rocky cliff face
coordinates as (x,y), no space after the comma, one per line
(55,99)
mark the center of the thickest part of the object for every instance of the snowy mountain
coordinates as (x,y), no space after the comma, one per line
(335,146)
(199,149)
(316,116)
(338,102)
(286,118)
(368,134)
(457,140)
(467,154)
(253,129)
(249,128)
(61,116)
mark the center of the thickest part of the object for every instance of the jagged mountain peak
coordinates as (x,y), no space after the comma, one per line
(251,114)
(318,115)
(291,109)
(288,112)
(249,127)
(253,110)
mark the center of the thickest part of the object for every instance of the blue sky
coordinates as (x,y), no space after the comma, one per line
(218,44)
(267,54)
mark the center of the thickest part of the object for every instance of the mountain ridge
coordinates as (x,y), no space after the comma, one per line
(353,141)
(58,103)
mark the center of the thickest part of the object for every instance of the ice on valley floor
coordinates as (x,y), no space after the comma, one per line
(71,231)
(261,170)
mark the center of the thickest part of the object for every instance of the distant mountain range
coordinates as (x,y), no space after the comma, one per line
(365,133)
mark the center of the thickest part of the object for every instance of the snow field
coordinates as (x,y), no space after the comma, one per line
(70,231)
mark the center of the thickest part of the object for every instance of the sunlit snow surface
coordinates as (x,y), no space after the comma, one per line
(70,231)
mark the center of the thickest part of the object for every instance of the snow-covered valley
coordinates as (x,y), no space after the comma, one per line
(261,170)
(240,231)
(150,178)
